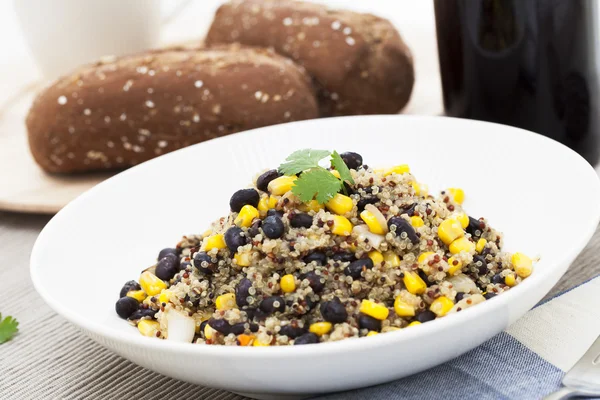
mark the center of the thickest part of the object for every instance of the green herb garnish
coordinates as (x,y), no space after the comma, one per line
(316,182)
(8,328)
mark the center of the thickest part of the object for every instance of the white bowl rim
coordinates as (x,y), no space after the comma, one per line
(322,349)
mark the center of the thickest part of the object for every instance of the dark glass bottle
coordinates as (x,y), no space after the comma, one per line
(527,63)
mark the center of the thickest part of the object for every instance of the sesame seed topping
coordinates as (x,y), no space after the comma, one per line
(316,44)
(149,104)
(335,25)
(127,146)
(347,30)
(110,144)
(123,117)
(87,111)
(334,96)
(162,144)
(119,159)
(71,130)
(258,94)
(196,118)
(142,70)
(287,114)
(138,149)
(151,72)
(107,119)
(287,21)
(198,84)
(62,100)
(150,90)
(178,73)
(350,40)
(216,109)
(144,132)
(70,155)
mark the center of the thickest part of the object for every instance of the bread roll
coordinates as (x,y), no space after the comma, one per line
(359,60)
(121,112)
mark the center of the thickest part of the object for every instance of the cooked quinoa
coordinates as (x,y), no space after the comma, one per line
(381,255)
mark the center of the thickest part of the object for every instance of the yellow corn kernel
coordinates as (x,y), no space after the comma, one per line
(257,343)
(267,203)
(463,219)
(320,328)
(455,266)
(414,323)
(391,259)
(372,222)
(209,332)
(522,264)
(398,169)
(312,205)
(480,245)
(441,306)
(287,283)
(376,257)
(457,194)
(164,297)
(341,226)
(281,185)
(375,310)
(225,302)
(151,284)
(246,216)
(450,230)
(413,282)
(403,309)
(214,242)
(242,259)
(340,204)
(510,280)
(372,333)
(335,173)
(244,340)
(462,244)
(148,327)
(417,222)
(139,295)
(424,256)
(420,189)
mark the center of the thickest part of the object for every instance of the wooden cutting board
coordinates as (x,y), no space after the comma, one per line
(25,187)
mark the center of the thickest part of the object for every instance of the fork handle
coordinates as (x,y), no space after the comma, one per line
(562,393)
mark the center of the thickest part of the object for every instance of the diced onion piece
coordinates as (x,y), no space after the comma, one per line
(180,327)
(362,232)
(462,283)
(380,218)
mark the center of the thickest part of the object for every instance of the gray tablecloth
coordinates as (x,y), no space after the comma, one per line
(39,363)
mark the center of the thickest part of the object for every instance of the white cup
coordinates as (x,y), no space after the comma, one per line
(63,34)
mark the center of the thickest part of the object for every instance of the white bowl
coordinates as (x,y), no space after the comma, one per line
(542,195)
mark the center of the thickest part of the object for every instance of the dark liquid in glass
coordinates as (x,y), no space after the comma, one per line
(527,63)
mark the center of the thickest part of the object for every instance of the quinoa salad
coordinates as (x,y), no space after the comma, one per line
(321,249)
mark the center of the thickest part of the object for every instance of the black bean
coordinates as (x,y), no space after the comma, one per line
(243,197)
(262,182)
(334,311)
(489,295)
(234,238)
(316,256)
(128,287)
(238,329)
(480,263)
(369,323)
(242,292)
(349,189)
(403,226)
(204,263)
(255,228)
(366,200)
(307,338)
(202,326)
(272,304)
(497,279)
(292,332)
(314,281)
(352,160)
(143,312)
(410,210)
(275,212)
(355,268)
(426,316)
(344,257)
(184,264)
(167,267)
(459,296)
(126,306)
(220,325)
(310,303)
(273,227)
(164,252)
(474,227)
(301,220)
(253,327)
(425,278)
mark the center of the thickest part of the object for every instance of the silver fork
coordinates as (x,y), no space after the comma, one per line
(583,380)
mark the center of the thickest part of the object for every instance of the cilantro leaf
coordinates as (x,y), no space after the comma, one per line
(317,183)
(338,163)
(301,160)
(8,328)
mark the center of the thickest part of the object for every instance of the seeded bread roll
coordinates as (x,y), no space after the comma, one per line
(120,112)
(359,60)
